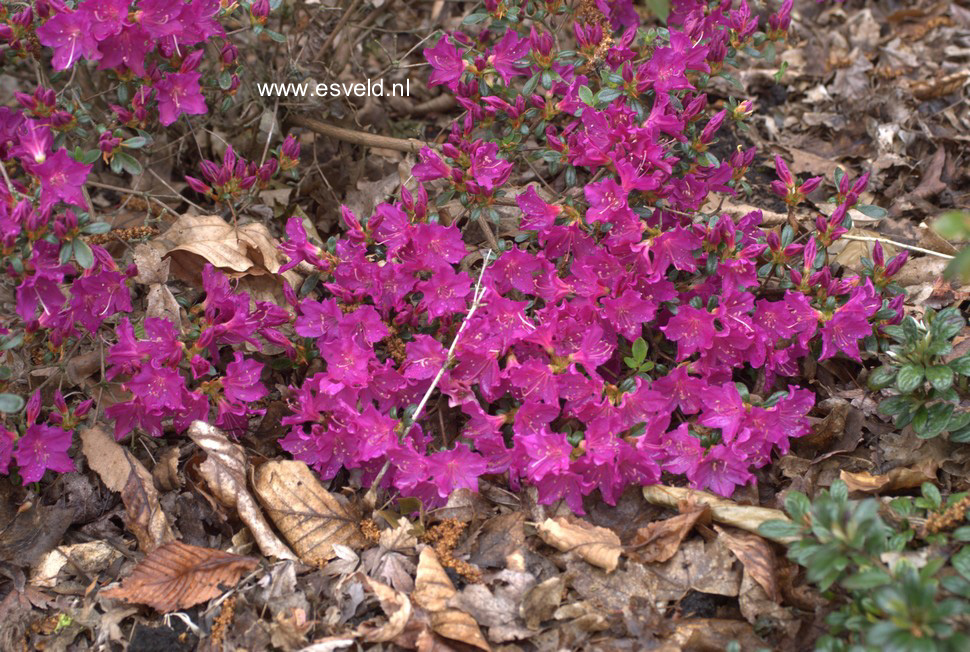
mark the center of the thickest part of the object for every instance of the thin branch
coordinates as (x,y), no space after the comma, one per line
(336,30)
(370,498)
(928,252)
(411,145)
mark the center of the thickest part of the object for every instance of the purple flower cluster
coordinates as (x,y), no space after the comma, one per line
(159,368)
(538,380)
(121,37)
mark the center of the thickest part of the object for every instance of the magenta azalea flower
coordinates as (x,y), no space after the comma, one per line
(41,448)
(179,93)
(69,34)
(61,179)
(446,62)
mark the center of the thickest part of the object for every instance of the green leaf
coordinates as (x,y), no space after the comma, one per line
(894,405)
(90,156)
(631,362)
(932,493)
(128,163)
(607,95)
(797,505)
(66,253)
(94,228)
(940,377)
(225,80)
(882,377)
(136,142)
(920,418)
(875,212)
(83,254)
(947,324)
(961,365)
(959,267)
(962,533)
(586,95)
(475,18)
(660,9)
(909,378)
(276,36)
(839,491)
(938,416)
(10,403)
(13,341)
(961,436)
(954,225)
(961,562)
(640,349)
(778,529)
(867,579)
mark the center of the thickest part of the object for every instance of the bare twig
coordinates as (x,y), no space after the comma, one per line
(928,252)
(370,498)
(411,145)
(336,30)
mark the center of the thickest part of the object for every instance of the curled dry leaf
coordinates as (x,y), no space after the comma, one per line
(166,470)
(397,608)
(89,558)
(245,251)
(897,479)
(757,557)
(224,471)
(659,541)
(177,576)
(122,472)
(310,518)
(153,271)
(432,592)
(745,517)
(598,545)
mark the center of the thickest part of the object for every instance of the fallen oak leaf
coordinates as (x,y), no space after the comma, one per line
(224,471)
(178,576)
(658,541)
(122,472)
(756,556)
(309,517)
(397,608)
(897,479)
(432,592)
(597,545)
(745,517)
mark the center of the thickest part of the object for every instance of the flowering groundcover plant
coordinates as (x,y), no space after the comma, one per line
(611,328)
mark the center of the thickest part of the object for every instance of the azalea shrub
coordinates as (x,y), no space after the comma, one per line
(599,326)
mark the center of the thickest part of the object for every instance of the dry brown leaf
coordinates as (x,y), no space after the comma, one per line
(745,517)
(397,608)
(432,592)
(165,473)
(756,556)
(90,558)
(224,471)
(246,250)
(121,471)
(34,531)
(849,253)
(712,633)
(659,541)
(310,518)
(153,271)
(597,545)
(897,479)
(177,576)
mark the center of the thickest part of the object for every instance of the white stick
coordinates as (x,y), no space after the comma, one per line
(866,238)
